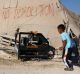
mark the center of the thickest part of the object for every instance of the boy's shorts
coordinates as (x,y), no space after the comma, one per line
(69,54)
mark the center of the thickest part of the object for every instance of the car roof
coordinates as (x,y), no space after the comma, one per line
(27,33)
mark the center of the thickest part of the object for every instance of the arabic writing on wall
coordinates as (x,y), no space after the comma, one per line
(26,11)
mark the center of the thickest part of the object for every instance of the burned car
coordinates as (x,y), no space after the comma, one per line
(34,46)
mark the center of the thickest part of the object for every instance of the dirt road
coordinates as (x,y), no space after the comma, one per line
(35,67)
(9,64)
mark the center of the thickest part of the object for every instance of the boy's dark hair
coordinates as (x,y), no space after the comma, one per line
(61,26)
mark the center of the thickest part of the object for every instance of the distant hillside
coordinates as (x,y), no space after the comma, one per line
(37,15)
(73,19)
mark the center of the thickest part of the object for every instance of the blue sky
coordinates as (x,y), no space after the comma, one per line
(73,5)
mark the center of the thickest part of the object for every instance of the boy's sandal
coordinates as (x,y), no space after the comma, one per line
(68,69)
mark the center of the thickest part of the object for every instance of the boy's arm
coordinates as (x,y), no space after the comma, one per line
(63,45)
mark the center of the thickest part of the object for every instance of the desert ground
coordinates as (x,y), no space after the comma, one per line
(9,64)
(44,20)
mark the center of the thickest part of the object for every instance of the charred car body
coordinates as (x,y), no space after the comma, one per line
(34,46)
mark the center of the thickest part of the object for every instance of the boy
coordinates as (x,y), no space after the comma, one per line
(67,51)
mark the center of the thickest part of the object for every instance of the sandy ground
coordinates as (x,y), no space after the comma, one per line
(10,65)
(35,67)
